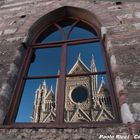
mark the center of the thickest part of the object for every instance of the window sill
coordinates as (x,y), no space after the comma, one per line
(62,126)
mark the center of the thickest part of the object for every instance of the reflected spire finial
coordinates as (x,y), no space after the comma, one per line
(79,56)
(44,83)
(44,86)
(51,88)
(92,61)
(93,66)
(103,80)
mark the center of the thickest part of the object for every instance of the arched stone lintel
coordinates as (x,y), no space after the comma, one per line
(59,13)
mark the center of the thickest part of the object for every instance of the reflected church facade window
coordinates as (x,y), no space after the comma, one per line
(67,79)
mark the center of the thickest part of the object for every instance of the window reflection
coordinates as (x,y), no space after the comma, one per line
(87,95)
(82,30)
(87,99)
(38,103)
(46,62)
(89,55)
(52,34)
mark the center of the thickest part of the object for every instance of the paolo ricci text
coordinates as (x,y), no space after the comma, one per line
(123,137)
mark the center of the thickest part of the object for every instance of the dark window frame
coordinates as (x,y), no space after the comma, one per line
(11,115)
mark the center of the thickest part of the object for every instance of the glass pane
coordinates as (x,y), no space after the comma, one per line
(87,99)
(38,102)
(50,35)
(85,58)
(81,30)
(45,62)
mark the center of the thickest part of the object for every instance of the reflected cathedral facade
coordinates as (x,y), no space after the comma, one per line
(85,101)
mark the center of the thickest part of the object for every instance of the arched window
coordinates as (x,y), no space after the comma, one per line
(65,78)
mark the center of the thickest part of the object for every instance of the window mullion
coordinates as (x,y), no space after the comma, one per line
(61,90)
(86,74)
(69,42)
(40,77)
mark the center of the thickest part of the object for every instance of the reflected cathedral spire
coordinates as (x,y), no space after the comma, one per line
(44,104)
(94,78)
(79,56)
(93,66)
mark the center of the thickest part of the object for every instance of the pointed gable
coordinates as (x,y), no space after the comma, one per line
(80,115)
(103,91)
(51,117)
(79,67)
(104,114)
(50,95)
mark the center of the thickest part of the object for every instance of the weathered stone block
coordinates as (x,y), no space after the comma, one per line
(10,31)
(122,42)
(127,55)
(136,110)
(137,14)
(15,4)
(130,79)
(0,32)
(122,31)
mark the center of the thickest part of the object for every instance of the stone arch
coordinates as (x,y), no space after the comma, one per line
(60,13)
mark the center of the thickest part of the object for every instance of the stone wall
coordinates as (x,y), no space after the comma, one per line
(65,134)
(121,24)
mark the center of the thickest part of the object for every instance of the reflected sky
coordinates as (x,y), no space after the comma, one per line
(47,62)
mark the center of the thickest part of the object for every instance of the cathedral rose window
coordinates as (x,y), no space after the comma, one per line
(65,78)
(79,95)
